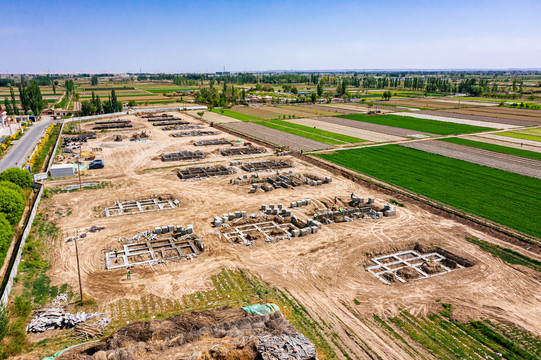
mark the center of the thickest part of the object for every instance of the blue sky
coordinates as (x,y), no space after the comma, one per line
(200,36)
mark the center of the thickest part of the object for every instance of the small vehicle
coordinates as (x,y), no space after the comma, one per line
(96,164)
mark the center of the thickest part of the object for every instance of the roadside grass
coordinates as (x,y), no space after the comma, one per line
(236,115)
(496,148)
(458,183)
(507,255)
(43,151)
(520,136)
(424,125)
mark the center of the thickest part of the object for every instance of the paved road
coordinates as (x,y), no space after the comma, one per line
(19,152)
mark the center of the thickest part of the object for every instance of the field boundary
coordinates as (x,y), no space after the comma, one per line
(359,177)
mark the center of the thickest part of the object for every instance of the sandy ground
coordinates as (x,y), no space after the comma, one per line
(506,162)
(324,271)
(333,110)
(358,107)
(458,121)
(502,140)
(346,130)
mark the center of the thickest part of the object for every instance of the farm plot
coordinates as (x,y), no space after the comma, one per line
(327,137)
(213,116)
(458,115)
(524,134)
(289,113)
(511,199)
(497,160)
(419,104)
(333,110)
(259,112)
(508,142)
(536,155)
(312,111)
(236,115)
(495,125)
(503,112)
(417,124)
(322,124)
(278,137)
(374,132)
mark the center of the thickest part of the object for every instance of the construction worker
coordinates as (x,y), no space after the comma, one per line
(116,252)
(340,209)
(335,199)
(352,195)
(128,274)
(315,216)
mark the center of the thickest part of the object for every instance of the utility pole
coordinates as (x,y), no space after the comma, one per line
(79,272)
(80,154)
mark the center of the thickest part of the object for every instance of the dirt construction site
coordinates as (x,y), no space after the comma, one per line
(334,250)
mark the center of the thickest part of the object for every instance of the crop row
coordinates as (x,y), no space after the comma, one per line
(507,198)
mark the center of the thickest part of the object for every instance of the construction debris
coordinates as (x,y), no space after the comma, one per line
(195,133)
(181,127)
(55,318)
(170,122)
(284,346)
(83,185)
(211,142)
(183,155)
(238,151)
(204,172)
(113,124)
(265,165)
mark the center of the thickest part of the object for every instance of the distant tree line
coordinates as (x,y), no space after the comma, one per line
(96,106)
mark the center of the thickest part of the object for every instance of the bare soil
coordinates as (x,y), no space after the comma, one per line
(323,271)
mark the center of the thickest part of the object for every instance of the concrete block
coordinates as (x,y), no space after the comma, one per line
(269,211)
(271,206)
(218,223)
(237,214)
(263,207)
(293,205)
(165,229)
(314,229)
(306,231)
(370,200)
(252,190)
(389,213)
(179,227)
(379,214)
(288,213)
(243,213)
(171,228)
(280,206)
(308,201)
(274,211)
(231,216)
(225,218)
(386,207)
(158,230)
(283,212)
(328,179)
(189,229)
(319,225)
(295,233)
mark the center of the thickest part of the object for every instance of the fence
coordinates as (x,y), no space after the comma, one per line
(7,282)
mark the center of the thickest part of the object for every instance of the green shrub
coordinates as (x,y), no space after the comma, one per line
(11,204)
(6,234)
(17,176)
(12,186)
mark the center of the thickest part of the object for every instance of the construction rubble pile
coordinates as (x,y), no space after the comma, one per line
(56,318)
(285,347)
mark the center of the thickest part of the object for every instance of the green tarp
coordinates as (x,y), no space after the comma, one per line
(261,309)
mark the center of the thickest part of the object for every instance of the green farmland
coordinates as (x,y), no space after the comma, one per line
(509,199)
(326,137)
(236,115)
(497,148)
(424,125)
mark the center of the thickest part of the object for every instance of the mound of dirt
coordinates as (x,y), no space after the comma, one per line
(449,263)
(407,273)
(216,334)
(431,267)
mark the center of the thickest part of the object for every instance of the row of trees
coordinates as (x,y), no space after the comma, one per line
(96,106)
(70,87)
(30,98)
